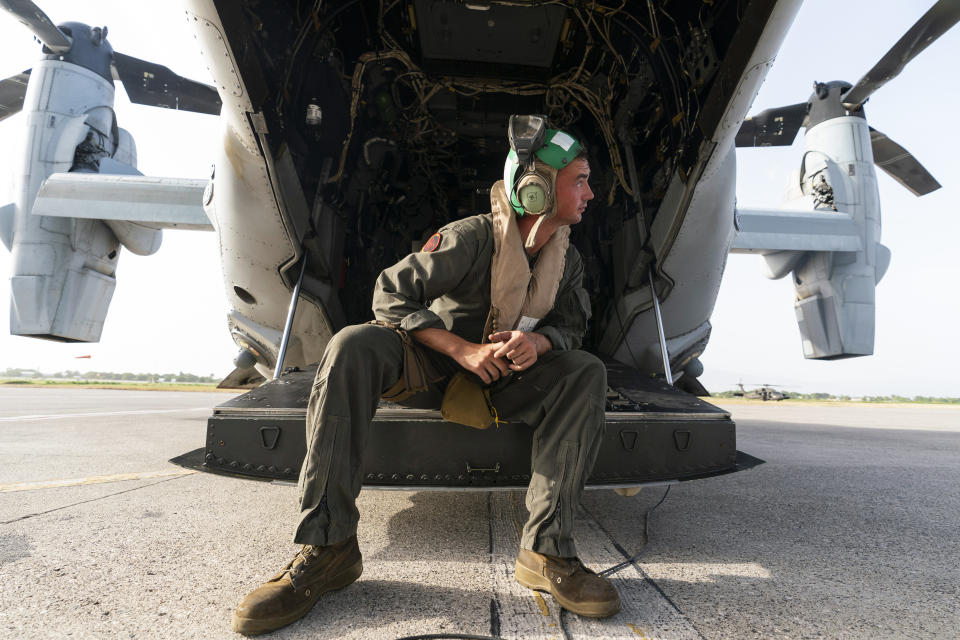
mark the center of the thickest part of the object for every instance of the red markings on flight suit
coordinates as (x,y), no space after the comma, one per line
(432,244)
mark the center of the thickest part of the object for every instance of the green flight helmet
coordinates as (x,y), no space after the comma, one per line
(546,151)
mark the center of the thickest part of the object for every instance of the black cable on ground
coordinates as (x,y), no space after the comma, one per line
(643,544)
(563,624)
(606,572)
(626,563)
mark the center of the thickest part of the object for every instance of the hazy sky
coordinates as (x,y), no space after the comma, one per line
(169,312)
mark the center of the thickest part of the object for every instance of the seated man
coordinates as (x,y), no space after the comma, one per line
(499,296)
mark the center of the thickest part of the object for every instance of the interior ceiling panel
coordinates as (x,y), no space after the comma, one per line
(525,36)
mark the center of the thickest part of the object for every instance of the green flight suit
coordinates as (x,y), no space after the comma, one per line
(561,397)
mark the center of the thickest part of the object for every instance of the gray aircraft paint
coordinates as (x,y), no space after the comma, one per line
(256,242)
(63,273)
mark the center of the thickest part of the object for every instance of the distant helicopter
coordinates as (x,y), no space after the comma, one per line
(763,392)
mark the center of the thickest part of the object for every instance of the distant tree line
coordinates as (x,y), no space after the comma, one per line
(921,399)
(841,398)
(108,375)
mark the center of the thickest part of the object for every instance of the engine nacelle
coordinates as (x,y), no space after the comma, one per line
(63,273)
(835,304)
(76,194)
(828,236)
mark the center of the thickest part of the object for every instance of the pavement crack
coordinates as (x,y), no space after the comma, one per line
(76,504)
(495,606)
(494,617)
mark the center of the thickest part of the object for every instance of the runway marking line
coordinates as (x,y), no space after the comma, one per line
(54,416)
(117,477)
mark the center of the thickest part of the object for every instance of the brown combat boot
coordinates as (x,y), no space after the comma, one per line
(572,585)
(290,594)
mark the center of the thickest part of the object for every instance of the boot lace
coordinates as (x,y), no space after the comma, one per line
(294,570)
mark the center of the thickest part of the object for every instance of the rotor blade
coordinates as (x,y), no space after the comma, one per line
(156,85)
(934,23)
(901,165)
(33,18)
(12,91)
(775,127)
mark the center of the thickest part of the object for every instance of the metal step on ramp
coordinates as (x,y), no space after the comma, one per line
(655,434)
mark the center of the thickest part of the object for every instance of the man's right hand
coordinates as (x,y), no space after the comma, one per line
(480,359)
(475,358)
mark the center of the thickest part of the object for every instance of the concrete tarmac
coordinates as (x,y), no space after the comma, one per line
(850,530)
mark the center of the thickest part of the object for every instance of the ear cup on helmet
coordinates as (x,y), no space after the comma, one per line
(533,199)
(533,192)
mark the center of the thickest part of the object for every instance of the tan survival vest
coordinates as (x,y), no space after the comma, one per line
(519,297)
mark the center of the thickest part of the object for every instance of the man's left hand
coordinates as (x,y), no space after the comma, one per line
(519,347)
